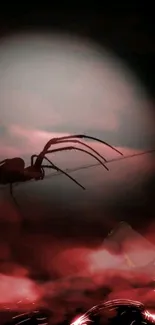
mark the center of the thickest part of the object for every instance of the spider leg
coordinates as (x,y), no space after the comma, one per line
(80,136)
(32,159)
(63,172)
(43,172)
(53,166)
(36,156)
(84,144)
(11,193)
(40,159)
(79,149)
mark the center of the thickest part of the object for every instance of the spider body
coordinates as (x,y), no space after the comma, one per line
(14,171)
(11,170)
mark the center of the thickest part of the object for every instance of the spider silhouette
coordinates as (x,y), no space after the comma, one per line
(13,170)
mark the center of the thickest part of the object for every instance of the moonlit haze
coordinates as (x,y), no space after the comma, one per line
(53,85)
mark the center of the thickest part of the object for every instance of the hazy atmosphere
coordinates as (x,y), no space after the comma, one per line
(54,84)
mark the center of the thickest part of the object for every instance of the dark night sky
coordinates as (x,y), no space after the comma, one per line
(56,208)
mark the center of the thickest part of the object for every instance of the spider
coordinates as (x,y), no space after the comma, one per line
(13,170)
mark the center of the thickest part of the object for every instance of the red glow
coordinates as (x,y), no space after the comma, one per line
(101,260)
(78,270)
(150,316)
(80,320)
(17,290)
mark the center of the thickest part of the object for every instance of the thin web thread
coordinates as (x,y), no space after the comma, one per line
(72,170)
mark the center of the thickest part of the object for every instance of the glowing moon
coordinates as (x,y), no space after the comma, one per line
(60,84)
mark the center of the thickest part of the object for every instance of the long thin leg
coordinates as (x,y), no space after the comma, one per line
(80,136)
(63,172)
(79,149)
(36,156)
(11,193)
(76,141)
(32,159)
(53,166)
(84,144)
